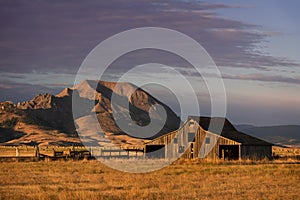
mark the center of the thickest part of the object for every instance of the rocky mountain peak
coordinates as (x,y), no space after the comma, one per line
(41,101)
(66,92)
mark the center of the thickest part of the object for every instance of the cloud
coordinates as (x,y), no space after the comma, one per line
(17,92)
(56,36)
(46,79)
(266,78)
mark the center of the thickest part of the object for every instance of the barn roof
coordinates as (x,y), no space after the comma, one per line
(229,131)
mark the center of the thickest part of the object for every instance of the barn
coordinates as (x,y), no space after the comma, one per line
(194,140)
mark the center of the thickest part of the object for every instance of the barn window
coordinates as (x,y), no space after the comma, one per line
(192,123)
(181,149)
(175,140)
(191,137)
(207,140)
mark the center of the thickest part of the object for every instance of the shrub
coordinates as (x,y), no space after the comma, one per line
(9,123)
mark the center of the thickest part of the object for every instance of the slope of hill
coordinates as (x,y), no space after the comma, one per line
(139,104)
(242,127)
(48,119)
(17,127)
(288,135)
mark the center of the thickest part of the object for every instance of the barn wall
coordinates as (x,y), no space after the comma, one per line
(175,142)
(200,149)
(256,152)
(214,153)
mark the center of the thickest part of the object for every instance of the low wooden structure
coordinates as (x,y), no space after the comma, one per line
(194,140)
(34,154)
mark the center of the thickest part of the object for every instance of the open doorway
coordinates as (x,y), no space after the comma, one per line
(155,151)
(229,152)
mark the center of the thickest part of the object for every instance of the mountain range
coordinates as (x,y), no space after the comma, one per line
(48,120)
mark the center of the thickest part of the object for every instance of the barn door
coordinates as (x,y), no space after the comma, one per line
(229,152)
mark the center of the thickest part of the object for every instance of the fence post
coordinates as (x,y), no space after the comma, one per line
(37,152)
(17,152)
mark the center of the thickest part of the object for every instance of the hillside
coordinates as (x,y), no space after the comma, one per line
(288,135)
(242,127)
(48,119)
(18,126)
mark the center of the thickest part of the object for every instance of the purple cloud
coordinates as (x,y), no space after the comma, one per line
(57,35)
(266,78)
(17,92)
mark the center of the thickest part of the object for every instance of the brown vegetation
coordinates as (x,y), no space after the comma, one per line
(187,180)
(286,152)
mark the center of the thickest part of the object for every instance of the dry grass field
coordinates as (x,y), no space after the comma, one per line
(183,180)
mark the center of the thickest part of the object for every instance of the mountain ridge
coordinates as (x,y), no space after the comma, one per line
(52,114)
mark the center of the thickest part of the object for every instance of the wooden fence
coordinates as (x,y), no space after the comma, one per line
(29,153)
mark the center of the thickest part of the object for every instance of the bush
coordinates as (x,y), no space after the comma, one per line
(35,121)
(28,120)
(19,112)
(9,123)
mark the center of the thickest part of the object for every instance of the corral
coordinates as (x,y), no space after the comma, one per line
(35,153)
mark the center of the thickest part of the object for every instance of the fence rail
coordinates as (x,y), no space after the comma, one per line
(30,153)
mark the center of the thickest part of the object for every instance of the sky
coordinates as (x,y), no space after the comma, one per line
(255,45)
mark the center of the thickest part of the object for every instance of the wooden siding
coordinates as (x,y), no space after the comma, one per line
(200,149)
(179,143)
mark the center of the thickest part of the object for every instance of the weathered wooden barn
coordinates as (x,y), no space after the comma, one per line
(193,140)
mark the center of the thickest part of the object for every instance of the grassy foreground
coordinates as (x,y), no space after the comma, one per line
(93,180)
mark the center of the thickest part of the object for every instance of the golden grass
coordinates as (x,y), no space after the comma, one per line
(286,152)
(184,180)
